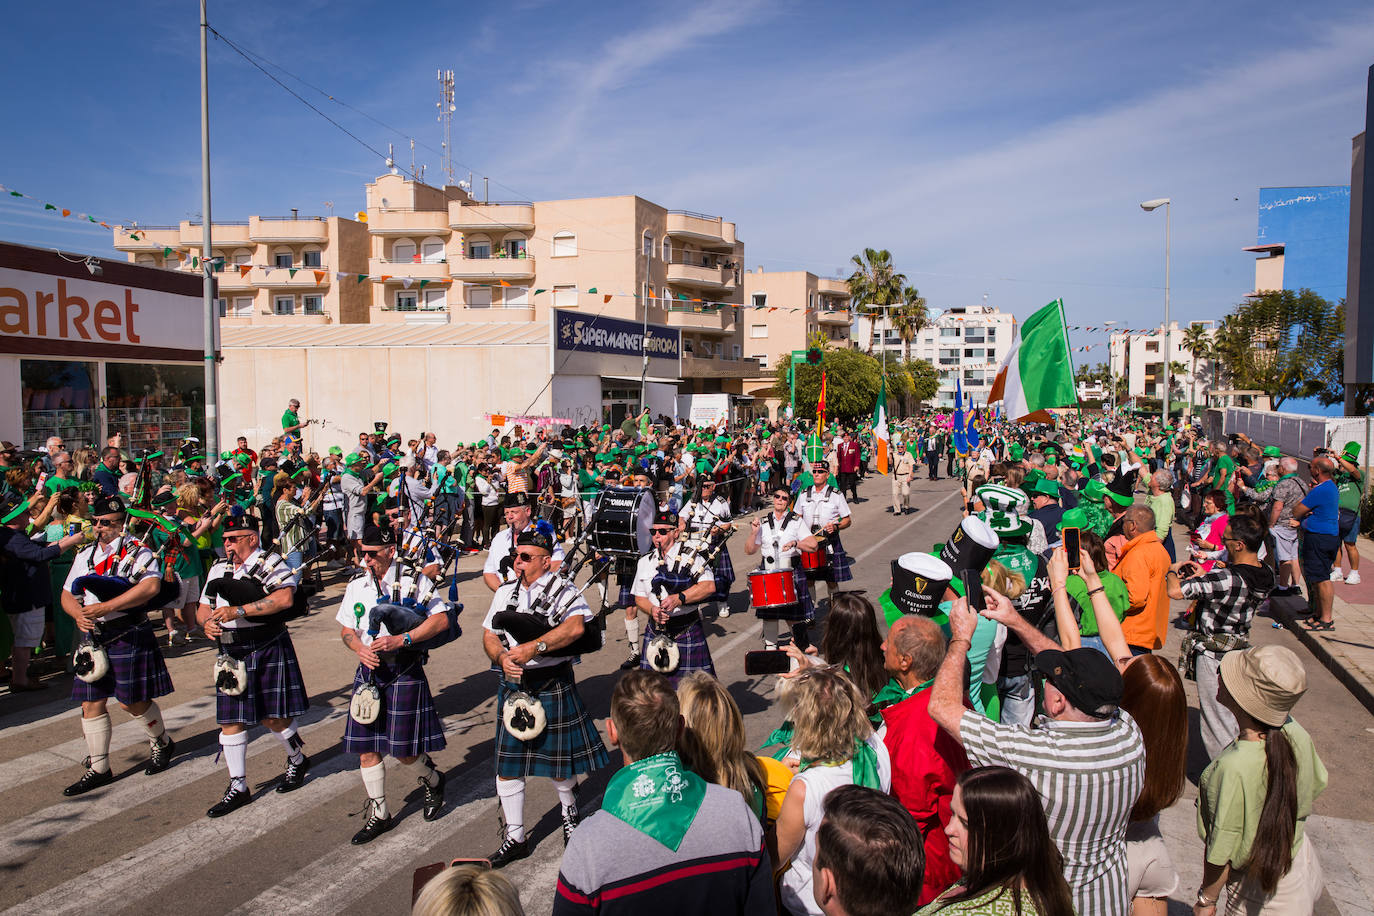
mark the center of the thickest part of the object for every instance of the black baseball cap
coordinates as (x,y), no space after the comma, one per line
(1086,677)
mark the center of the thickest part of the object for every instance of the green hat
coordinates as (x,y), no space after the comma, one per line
(1074,518)
(225,456)
(1031,477)
(242,459)
(1008,524)
(335,450)
(1272,451)
(389,468)
(1046,487)
(1095,489)
(353,458)
(1351,452)
(999,498)
(1121,499)
(1015,451)
(605,426)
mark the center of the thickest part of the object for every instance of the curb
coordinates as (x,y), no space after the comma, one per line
(1323,654)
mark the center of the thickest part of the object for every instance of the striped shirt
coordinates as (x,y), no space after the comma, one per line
(1089,775)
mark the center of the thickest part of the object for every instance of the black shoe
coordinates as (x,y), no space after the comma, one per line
(631,662)
(295,775)
(434,798)
(89,780)
(233,800)
(510,851)
(160,757)
(570,822)
(373,828)
(891,511)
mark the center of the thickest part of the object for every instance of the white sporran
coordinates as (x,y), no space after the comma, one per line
(231,675)
(523,716)
(663,654)
(90,662)
(366,705)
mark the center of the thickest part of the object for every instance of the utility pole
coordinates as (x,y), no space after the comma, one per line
(207,253)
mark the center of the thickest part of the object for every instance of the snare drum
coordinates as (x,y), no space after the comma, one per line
(773,589)
(815,560)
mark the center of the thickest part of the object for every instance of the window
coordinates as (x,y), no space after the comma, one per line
(312,258)
(312,305)
(735,351)
(518,297)
(432,251)
(282,259)
(479,249)
(284,305)
(407,300)
(223,307)
(479,297)
(564,244)
(758,330)
(514,247)
(243,256)
(243,307)
(565,297)
(667,250)
(992,334)
(1151,346)
(761,359)
(974,353)
(436,300)
(949,332)
(648,246)
(402,250)
(760,300)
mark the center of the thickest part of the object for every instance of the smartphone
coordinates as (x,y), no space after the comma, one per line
(1071,547)
(973,589)
(767,661)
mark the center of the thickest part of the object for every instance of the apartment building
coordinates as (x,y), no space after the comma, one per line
(279,271)
(964,344)
(1137,358)
(783,311)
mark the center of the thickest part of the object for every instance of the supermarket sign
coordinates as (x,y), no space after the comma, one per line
(57,305)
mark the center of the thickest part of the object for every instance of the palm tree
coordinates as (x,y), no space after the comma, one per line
(1197,343)
(908,320)
(1176,372)
(874,285)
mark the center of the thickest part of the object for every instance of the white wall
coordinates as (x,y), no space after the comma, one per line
(578,398)
(661,398)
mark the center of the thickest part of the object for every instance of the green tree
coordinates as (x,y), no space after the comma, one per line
(874,284)
(851,387)
(909,319)
(1281,342)
(1198,343)
(925,380)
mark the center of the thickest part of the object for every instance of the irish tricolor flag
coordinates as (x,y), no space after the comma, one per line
(1038,372)
(880,436)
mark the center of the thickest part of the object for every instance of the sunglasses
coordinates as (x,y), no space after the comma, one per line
(663,530)
(105,522)
(526,556)
(231,538)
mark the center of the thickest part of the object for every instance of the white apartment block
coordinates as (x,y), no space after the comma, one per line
(1137,358)
(964,343)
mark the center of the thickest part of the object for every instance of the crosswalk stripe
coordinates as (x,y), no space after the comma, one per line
(33,766)
(49,713)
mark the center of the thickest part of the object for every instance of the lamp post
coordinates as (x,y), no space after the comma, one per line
(1111,365)
(1147,206)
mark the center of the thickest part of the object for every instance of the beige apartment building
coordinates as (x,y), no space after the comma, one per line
(783,310)
(279,271)
(434,256)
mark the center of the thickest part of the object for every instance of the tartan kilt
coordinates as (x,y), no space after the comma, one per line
(839,569)
(792,613)
(408,725)
(693,652)
(137,671)
(569,744)
(275,688)
(725,575)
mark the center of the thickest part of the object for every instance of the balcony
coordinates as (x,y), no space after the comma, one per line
(694,366)
(281,277)
(834,316)
(150,238)
(701,317)
(288,229)
(828,287)
(222,234)
(403,223)
(230,280)
(712,230)
(296,319)
(399,270)
(491,217)
(497,268)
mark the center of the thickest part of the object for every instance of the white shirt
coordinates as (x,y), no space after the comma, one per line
(821,507)
(647,568)
(503,546)
(122,561)
(565,605)
(773,533)
(699,516)
(362,591)
(273,570)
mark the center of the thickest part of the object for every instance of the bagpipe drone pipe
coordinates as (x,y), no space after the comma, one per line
(546,611)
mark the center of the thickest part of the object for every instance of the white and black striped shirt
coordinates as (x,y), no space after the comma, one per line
(1089,775)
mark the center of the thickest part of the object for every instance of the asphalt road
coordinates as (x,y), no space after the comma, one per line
(143,844)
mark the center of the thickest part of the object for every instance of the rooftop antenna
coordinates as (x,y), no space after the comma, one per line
(391,159)
(446,110)
(412,156)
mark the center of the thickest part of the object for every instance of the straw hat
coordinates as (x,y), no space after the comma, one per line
(1266,682)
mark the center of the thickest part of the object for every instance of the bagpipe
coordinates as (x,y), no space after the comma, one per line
(549,608)
(406,607)
(694,557)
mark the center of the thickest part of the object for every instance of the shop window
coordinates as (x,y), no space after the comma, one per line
(155,405)
(57,399)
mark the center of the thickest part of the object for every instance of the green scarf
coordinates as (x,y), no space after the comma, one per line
(657,796)
(864,764)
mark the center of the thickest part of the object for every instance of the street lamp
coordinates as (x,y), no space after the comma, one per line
(1111,365)
(1148,206)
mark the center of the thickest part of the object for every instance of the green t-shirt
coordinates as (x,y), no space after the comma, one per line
(188,562)
(588,483)
(289,419)
(1232,790)
(1116,592)
(55,484)
(1349,489)
(1225,470)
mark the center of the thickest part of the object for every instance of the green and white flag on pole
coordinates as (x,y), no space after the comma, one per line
(881,439)
(1038,372)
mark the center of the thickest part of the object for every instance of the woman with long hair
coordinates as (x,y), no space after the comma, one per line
(1254,799)
(999,836)
(713,743)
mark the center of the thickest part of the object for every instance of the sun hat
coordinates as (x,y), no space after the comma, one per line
(1265,681)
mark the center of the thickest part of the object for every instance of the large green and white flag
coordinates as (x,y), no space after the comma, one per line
(1038,372)
(881,438)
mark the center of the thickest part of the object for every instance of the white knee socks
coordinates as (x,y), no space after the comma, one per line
(151,720)
(97,732)
(512,795)
(632,632)
(423,770)
(235,749)
(565,793)
(374,780)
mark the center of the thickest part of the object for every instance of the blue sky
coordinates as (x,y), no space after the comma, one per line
(996,149)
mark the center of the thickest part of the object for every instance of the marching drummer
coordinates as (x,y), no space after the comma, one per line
(669,582)
(407,726)
(709,512)
(781,537)
(826,513)
(537,687)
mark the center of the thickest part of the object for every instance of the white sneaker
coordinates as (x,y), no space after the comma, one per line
(1336,576)
(1353,578)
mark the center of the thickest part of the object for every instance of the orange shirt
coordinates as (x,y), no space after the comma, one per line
(1144,563)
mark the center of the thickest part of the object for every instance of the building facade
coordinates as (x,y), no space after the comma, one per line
(965,344)
(784,310)
(1137,358)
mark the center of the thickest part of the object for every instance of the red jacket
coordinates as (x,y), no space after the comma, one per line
(849,457)
(926,762)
